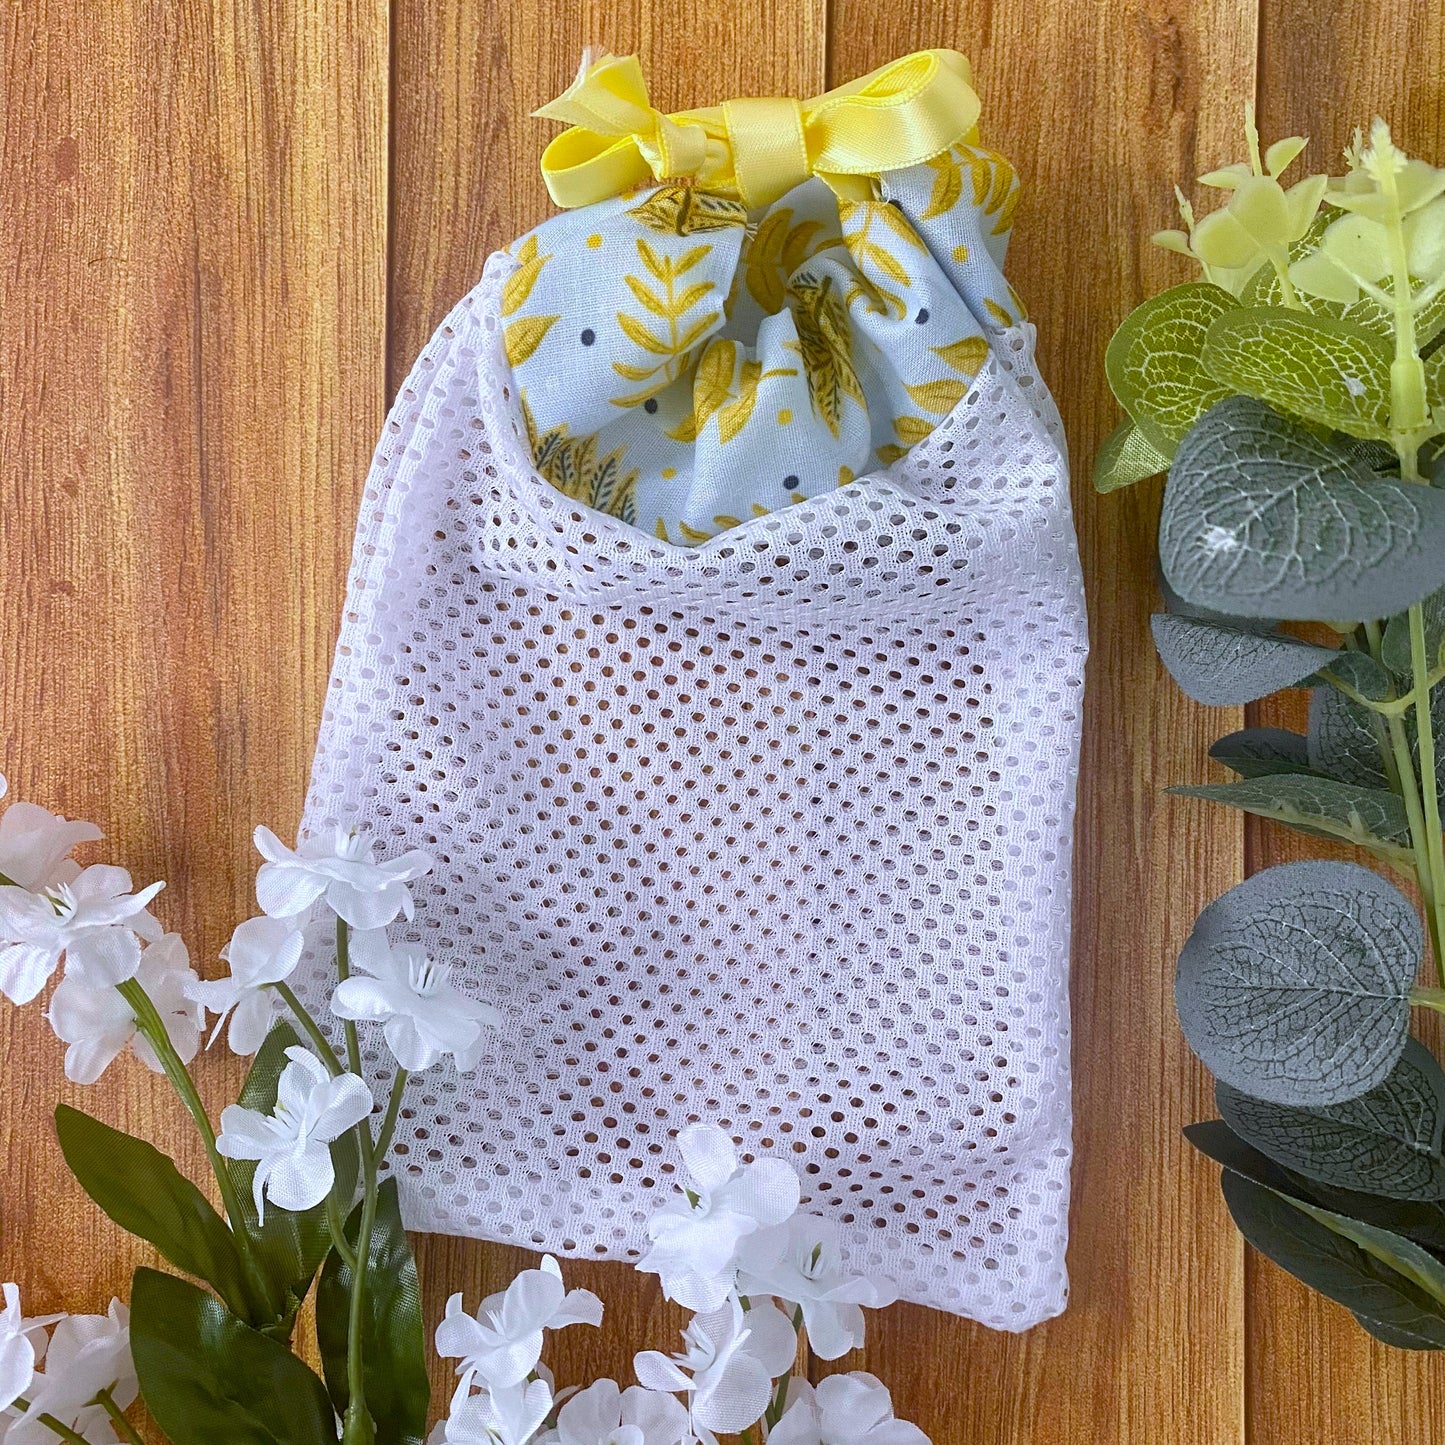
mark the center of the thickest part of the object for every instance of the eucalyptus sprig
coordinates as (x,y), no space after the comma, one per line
(1296,397)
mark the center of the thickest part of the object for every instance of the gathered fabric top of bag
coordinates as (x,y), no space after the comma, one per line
(749,305)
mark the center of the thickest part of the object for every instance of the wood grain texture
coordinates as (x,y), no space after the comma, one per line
(225,230)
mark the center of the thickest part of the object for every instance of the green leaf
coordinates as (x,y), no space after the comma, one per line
(1367,817)
(1126,457)
(143,1192)
(1263,752)
(207,1376)
(291,1244)
(1263,518)
(1388,1141)
(1360,671)
(1153,362)
(1295,985)
(393,1337)
(1314,367)
(1343,742)
(1422,1221)
(1223,664)
(1395,644)
(1372,1272)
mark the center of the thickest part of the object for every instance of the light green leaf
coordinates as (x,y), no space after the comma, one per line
(1295,985)
(393,1338)
(1309,366)
(208,1377)
(1222,665)
(1263,518)
(1367,817)
(1372,1272)
(1153,362)
(1126,457)
(1263,752)
(1388,1141)
(144,1193)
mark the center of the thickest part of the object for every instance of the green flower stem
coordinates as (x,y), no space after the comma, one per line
(1375,640)
(311,1028)
(1429,788)
(343,972)
(336,1227)
(779,1401)
(49,1421)
(393,1108)
(153,1028)
(117,1418)
(357,1427)
(1410,795)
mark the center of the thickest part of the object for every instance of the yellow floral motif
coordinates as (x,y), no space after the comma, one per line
(571,464)
(518,286)
(712,392)
(825,344)
(680,210)
(523,336)
(669,304)
(775,250)
(995,184)
(865,249)
(966,355)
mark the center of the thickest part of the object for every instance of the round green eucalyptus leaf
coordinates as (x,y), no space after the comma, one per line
(1311,366)
(1223,665)
(1388,1141)
(1264,518)
(1153,362)
(1342,740)
(1294,986)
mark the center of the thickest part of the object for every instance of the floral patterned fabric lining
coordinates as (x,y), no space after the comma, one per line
(684,365)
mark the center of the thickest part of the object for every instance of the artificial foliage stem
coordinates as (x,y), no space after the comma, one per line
(51,1423)
(1429,787)
(1414,813)
(343,972)
(311,1028)
(117,1418)
(152,1026)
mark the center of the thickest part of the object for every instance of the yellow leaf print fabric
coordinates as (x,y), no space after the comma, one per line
(686,365)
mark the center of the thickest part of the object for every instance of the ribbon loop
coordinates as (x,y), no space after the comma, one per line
(753,149)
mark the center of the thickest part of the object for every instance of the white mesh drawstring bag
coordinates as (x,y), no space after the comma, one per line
(771,828)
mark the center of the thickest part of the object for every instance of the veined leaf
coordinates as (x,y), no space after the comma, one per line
(1263,752)
(1360,672)
(1367,817)
(1309,366)
(144,1193)
(1343,742)
(393,1338)
(1263,518)
(208,1377)
(1372,1272)
(1153,362)
(1295,985)
(1222,665)
(1126,457)
(1388,1141)
(1395,644)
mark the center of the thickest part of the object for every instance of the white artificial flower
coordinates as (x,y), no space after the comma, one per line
(424,1016)
(291,1145)
(87,1354)
(854,1409)
(92,921)
(509,1415)
(262,951)
(22,1341)
(602,1414)
(97,1023)
(363,892)
(802,1262)
(695,1235)
(502,1342)
(35,845)
(727,1369)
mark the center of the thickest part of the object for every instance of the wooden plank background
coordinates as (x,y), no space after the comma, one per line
(225,229)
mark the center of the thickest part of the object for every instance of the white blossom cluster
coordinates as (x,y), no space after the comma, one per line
(731,1245)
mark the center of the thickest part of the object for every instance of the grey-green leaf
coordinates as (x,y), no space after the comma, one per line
(1316,367)
(1370,1271)
(1342,740)
(1360,671)
(1263,518)
(1294,986)
(1367,817)
(1263,752)
(1222,666)
(1388,1141)
(1395,645)
(1153,362)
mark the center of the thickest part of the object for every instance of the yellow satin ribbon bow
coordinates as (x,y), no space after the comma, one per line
(754,150)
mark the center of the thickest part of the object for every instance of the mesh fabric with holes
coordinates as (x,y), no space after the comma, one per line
(773,832)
